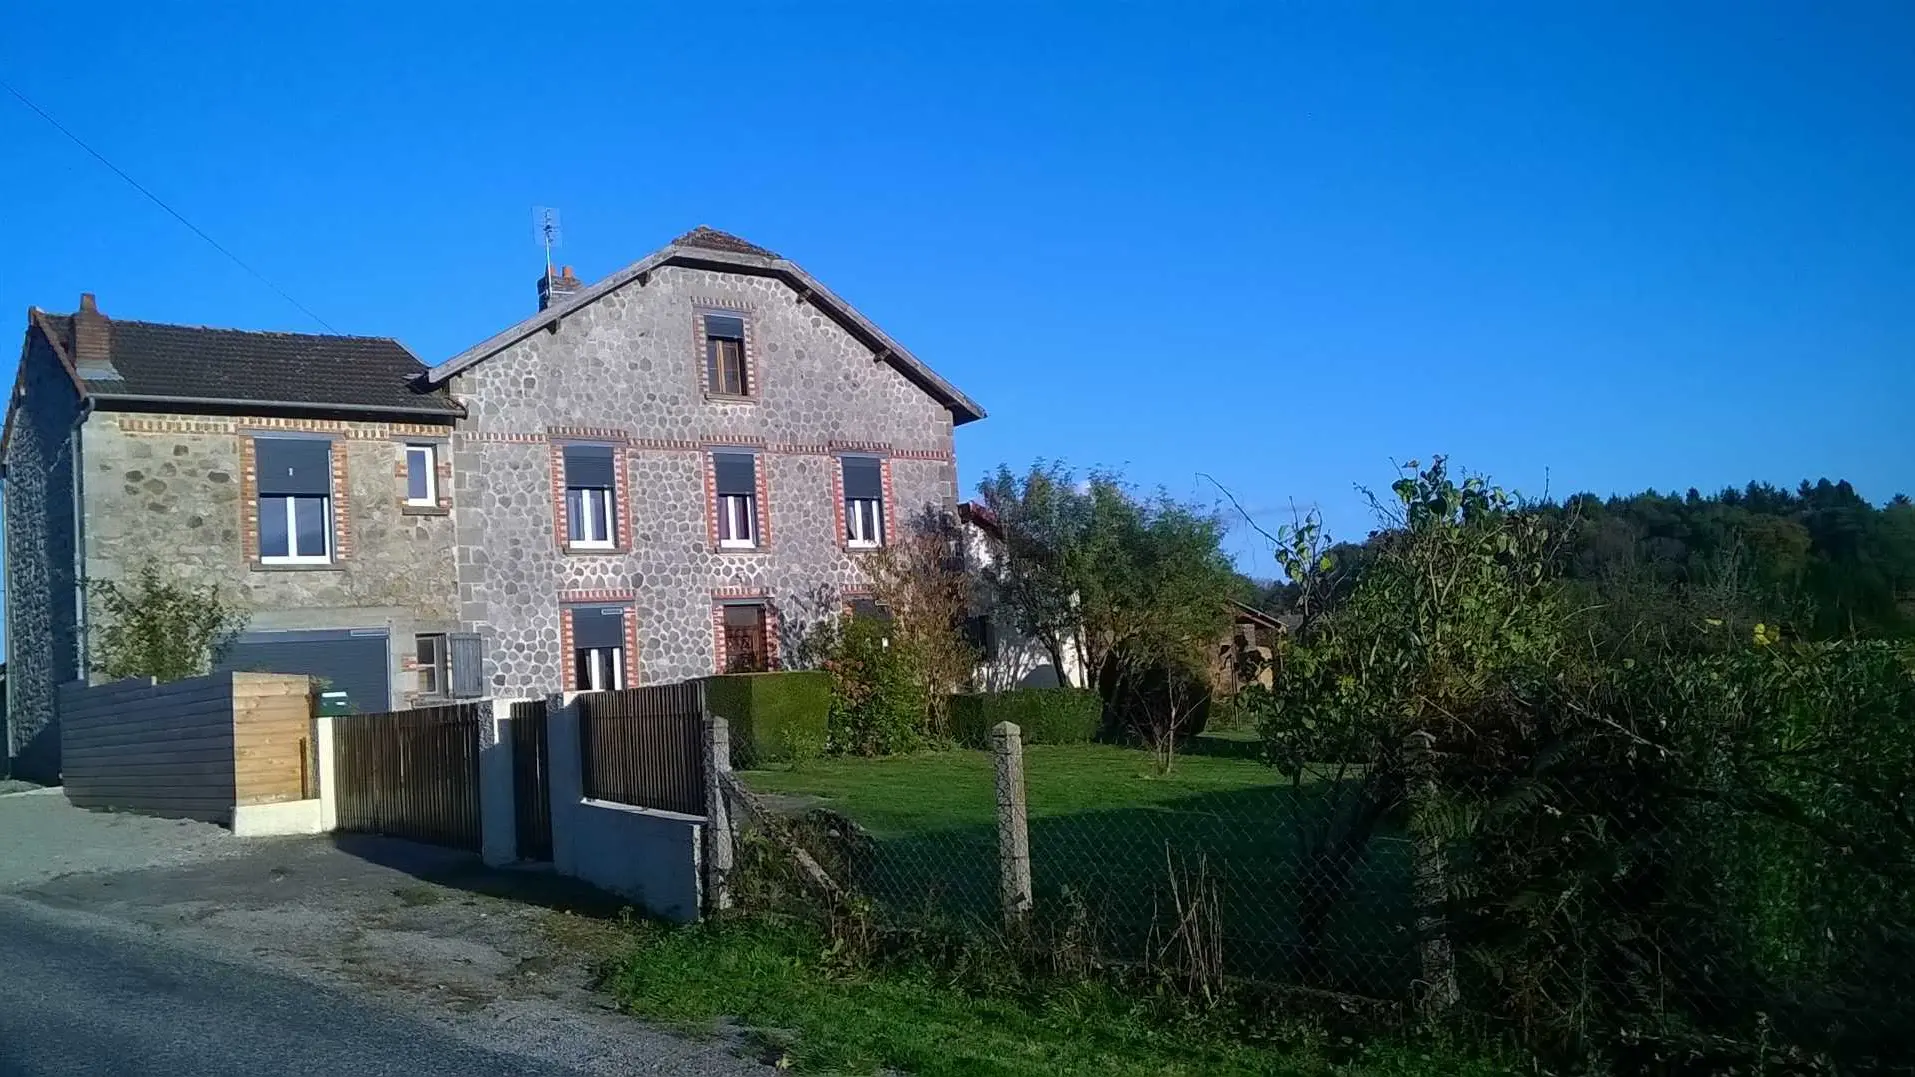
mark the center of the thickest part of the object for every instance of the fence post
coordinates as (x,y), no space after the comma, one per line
(717,766)
(326,752)
(1013,837)
(1437,990)
(498,812)
(567,778)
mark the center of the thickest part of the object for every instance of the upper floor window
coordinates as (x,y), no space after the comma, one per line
(598,648)
(725,368)
(591,497)
(295,500)
(422,475)
(863,501)
(737,489)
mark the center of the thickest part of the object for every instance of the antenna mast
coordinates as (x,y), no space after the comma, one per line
(547,233)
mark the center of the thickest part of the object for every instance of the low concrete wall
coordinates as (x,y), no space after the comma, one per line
(651,857)
(281,817)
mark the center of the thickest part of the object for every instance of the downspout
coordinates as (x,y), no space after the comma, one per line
(80,625)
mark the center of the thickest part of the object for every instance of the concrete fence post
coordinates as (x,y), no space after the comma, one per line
(326,759)
(1013,837)
(498,809)
(717,851)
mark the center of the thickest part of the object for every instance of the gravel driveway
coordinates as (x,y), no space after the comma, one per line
(501,961)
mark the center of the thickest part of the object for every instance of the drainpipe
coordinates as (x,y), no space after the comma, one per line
(80,625)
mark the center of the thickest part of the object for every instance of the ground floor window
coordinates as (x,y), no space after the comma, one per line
(747,645)
(598,648)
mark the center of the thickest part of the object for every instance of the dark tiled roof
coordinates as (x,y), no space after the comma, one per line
(195,362)
(713,240)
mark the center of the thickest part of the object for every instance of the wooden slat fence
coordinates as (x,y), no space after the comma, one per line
(412,774)
(642,746)
(531,780)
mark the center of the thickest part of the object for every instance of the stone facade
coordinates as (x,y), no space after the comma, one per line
(43,627)
(629,370)
(178,489)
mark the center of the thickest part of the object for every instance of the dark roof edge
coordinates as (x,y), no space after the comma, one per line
(111,402)
(1263,617)
(963,408)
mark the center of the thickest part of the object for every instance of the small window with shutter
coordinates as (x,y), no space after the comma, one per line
(736,475)
(725,370)
(598,648)
(294,482)
(591,497)
(863,501)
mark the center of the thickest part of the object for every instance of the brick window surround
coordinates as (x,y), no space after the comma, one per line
(342,545)
(890,522)
(700,350)
(441,476)
(742,597)
(760,464)
(621,497)
(568,670)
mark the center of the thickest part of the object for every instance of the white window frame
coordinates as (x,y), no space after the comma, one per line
(605,668)
(595,507)
(738,513)
(439,669)
(294,556)
(430,453)
(864,522)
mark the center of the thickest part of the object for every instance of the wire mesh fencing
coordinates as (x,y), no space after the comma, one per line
(1565,908)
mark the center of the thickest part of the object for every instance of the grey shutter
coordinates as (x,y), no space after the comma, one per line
(293,467)
(598,626)
(724,327)
(465,663)
(863,479)
(589,467)
(736,473)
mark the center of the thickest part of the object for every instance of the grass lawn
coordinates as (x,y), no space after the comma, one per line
(1107,834)
(800,1010)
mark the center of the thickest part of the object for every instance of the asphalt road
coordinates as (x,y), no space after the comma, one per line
(81,1001)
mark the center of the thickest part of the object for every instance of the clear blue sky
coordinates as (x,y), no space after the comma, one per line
(1282,244)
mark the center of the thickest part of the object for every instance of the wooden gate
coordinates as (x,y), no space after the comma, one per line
(644,746)
(412,774)
(531,781)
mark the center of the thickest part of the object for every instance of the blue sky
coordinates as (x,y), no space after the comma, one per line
(1598,246)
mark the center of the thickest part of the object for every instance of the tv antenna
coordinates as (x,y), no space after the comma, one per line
(546,232)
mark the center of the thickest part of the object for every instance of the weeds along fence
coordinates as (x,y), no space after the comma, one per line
(1571,910)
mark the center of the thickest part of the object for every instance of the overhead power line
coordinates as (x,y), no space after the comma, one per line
(160,202)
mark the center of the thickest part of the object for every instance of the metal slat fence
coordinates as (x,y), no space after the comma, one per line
(642,746)
(412,774)
(531,780)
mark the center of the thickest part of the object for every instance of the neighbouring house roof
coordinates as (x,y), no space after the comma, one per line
(708,248)
(979,514)
(1242,612)
(184,365)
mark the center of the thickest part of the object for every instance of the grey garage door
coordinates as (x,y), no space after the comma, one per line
(351,661)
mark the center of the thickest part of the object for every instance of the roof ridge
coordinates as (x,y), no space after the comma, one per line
(247,332)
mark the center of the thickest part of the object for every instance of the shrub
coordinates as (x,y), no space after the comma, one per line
(1046,715)
(878,705)
(775,717)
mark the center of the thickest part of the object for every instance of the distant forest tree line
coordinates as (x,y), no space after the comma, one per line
(1821,562)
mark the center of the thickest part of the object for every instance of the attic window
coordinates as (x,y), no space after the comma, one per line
(725,370)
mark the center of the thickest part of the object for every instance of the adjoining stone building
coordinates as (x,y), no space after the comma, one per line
(665,473)
(654,477)
(301,473)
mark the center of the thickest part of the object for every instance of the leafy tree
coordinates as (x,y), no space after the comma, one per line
(153,626)
(921,581)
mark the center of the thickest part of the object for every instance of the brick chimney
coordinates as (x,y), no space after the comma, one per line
(558,287)
(92,340)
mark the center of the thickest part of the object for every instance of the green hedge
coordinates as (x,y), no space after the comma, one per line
(1046,715)
(774,717)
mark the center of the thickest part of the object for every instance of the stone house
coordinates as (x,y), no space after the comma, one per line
(658,476)
(301,473)
(672,471)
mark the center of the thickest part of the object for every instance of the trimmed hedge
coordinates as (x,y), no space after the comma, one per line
(774,717)
(1046,715)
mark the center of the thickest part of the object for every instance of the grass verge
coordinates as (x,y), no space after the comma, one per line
(802,1005)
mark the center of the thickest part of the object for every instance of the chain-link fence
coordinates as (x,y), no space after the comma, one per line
(1561,902)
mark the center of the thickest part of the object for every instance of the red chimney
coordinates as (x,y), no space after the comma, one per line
(92,334)
(556,287)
